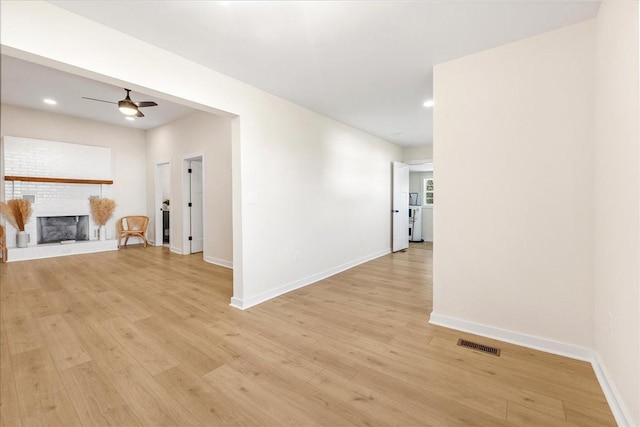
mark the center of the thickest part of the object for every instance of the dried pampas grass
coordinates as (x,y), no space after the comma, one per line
(102,209)
(17,212)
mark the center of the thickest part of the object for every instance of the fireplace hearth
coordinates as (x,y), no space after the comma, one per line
(55,229)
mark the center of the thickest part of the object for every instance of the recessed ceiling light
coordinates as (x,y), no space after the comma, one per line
(129,118)
(50,101)
(428,103)
(224,3)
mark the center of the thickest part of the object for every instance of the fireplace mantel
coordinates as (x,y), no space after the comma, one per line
(57,180)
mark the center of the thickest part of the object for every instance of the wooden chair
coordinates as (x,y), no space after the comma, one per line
(3,243)
(133,226)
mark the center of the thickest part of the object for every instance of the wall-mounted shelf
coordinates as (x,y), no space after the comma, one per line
(57,180)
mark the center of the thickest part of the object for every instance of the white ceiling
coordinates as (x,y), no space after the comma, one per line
(368,64)
(26,84)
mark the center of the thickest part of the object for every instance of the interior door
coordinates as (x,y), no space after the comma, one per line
(197,232)
(400,210)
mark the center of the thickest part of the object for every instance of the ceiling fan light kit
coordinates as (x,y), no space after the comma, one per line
(127,108)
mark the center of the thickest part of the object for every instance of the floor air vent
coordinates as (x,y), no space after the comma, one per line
(475,346)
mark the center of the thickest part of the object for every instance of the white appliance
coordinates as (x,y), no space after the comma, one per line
(415,223)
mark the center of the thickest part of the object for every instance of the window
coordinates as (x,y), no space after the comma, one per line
(428,191)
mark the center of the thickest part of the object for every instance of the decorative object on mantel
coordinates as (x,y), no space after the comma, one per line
(165,205)
(17,212)
(101,210)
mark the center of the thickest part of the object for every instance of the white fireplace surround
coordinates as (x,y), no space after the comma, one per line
(24,157)
(32,229)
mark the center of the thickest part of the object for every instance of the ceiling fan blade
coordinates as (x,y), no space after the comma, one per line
(99,100)
(145,104)
(139,114)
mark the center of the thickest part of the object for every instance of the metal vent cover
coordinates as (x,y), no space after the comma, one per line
(479,347)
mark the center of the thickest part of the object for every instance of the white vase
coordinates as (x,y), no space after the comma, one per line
(22,239)
(102,233)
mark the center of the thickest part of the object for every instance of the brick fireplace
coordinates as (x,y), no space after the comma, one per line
(59,179)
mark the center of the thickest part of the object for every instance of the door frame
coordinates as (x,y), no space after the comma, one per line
(186,195)
(158,234)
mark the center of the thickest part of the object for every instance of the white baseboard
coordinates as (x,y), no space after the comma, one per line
(243,304)
(621,414)
(218,261)
(537,343)
(620,411)
(209,259)
(237,303)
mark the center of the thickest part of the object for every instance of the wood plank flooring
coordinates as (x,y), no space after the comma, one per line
(146,337)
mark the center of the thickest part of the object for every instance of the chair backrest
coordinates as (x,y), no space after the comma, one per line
(134,223)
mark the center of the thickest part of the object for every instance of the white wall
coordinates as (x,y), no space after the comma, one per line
(557,141)
(210,136)
(299,212)
(514,222)
(422,152)
(617,199)
(305,198)
(416,180)
(127,149)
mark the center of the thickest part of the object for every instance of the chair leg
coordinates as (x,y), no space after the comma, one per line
(126,239)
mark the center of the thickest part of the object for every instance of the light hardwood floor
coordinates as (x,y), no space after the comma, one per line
(146,337)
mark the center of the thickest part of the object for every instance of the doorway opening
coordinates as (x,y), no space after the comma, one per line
(162,229)
(422,188)
(193,193)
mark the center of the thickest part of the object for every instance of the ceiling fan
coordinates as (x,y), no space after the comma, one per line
(127,106)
